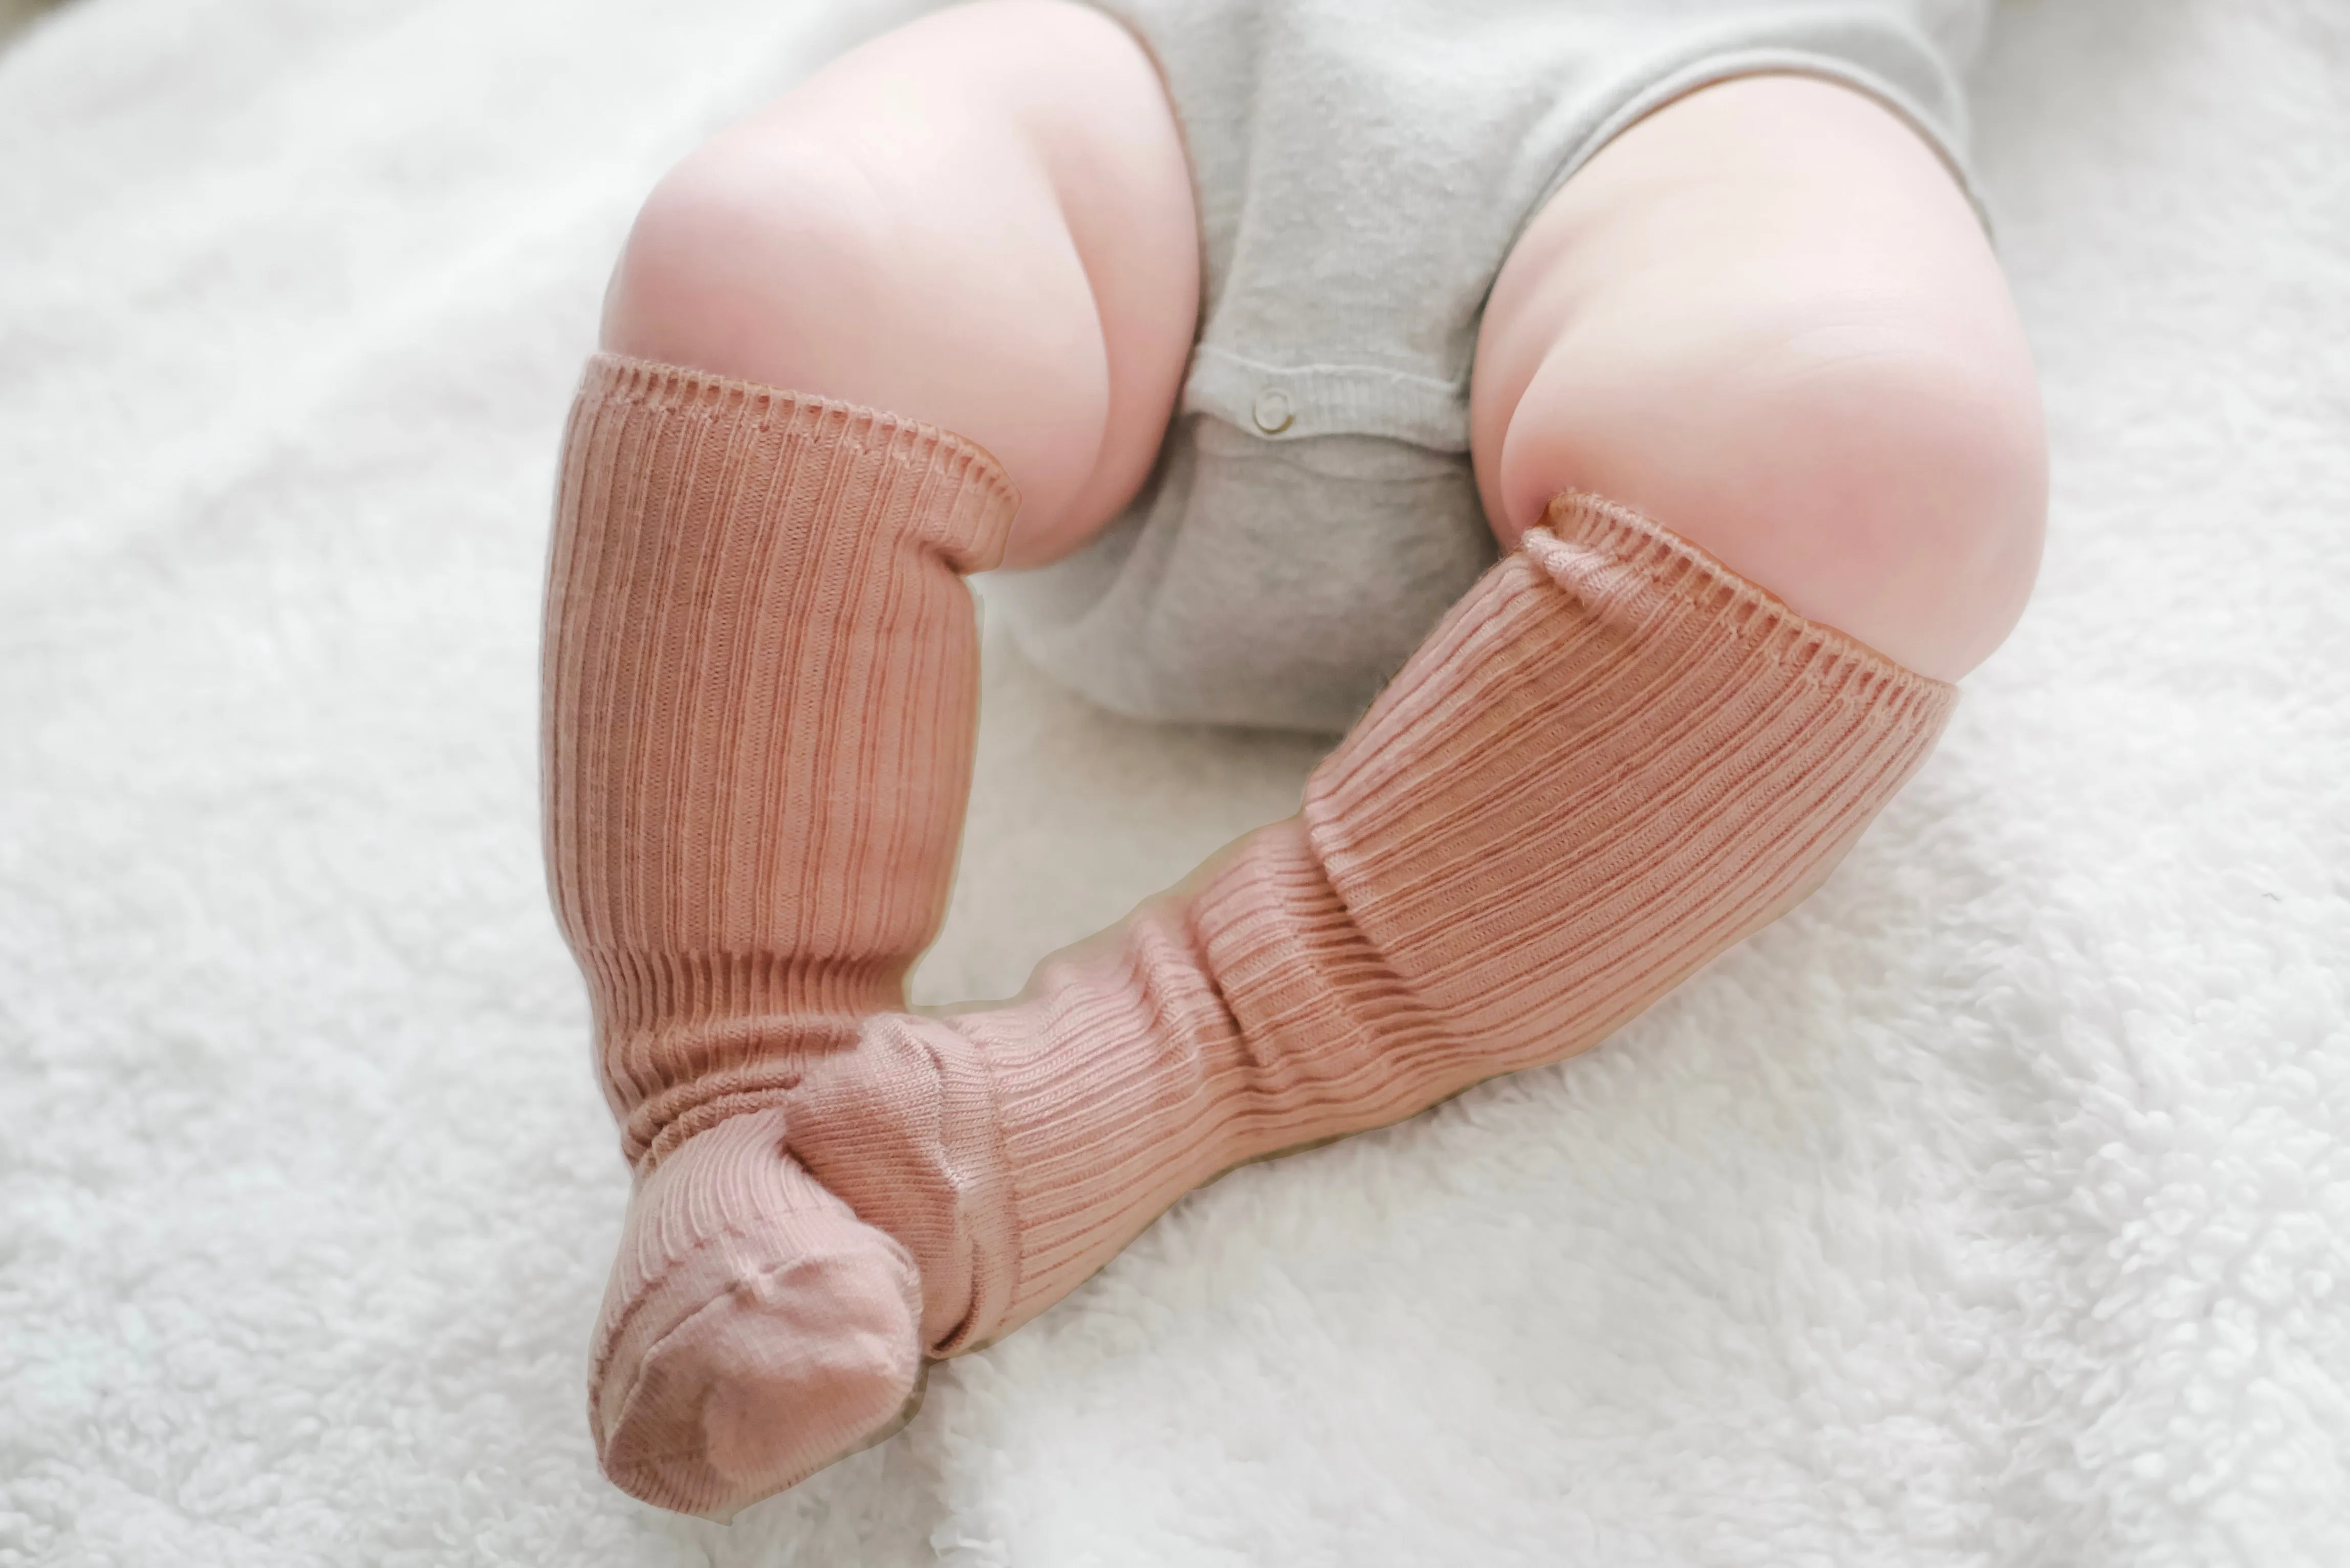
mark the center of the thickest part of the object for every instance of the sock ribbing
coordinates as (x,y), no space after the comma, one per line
(1614,760)
(761,677)
(760,689)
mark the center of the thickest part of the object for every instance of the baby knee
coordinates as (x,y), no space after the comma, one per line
(1880,476)
(904,250)
(748,259)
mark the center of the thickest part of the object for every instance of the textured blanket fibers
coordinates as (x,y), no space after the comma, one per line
(1994,1208)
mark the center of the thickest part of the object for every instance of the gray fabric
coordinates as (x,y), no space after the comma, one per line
(1362,169)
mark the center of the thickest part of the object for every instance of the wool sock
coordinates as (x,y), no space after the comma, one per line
(760,695)
(1612,760)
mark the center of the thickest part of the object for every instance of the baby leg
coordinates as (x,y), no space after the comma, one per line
(1766,317)
(970,240)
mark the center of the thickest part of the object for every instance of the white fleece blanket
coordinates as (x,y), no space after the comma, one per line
(1994,1208)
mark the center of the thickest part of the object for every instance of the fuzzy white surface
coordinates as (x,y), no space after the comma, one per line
(1994,1208)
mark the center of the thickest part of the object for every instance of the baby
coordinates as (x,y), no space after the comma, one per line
(1245,333)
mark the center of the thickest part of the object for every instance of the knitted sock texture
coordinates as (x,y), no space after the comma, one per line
(1612,760)
(761,697)
(761,689)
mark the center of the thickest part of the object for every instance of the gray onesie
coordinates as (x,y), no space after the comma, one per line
(1362,169)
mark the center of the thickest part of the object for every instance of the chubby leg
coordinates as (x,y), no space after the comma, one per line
(968,242)
(982,221)
(1766,317)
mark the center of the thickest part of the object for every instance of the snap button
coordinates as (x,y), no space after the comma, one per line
(1274,414)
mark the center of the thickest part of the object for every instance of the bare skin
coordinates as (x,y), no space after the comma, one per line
(1765,315)
(981,220)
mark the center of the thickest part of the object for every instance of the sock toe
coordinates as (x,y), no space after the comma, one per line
(756,1329)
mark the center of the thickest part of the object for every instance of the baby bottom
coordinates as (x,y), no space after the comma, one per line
(1762,322)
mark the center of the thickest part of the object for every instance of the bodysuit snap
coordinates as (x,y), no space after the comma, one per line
(1273,411)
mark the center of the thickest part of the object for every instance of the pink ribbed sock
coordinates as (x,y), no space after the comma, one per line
(1612,760)
(761,689)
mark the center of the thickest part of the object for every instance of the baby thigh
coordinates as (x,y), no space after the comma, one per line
(1766,317)
(983,220)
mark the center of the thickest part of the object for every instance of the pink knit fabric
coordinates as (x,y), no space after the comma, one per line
(762,690)
(1612,760)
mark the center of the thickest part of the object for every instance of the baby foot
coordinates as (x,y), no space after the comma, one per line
(754,1329)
